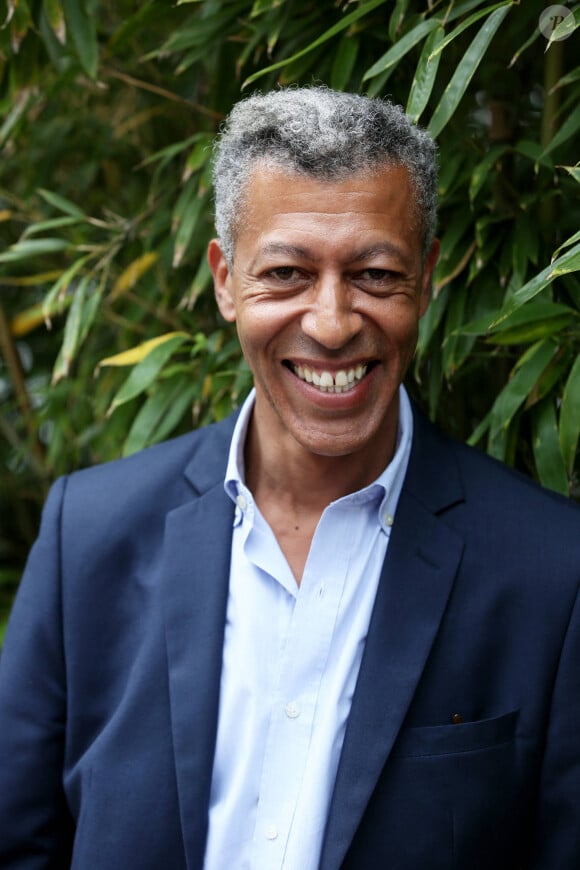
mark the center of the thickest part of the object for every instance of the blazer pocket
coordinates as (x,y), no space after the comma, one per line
(452,739)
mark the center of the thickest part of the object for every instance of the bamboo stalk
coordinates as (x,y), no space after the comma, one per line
(16,375)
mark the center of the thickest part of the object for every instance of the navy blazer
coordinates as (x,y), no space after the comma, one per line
(462,749)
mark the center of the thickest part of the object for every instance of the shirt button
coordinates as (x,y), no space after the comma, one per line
(241,502)
(389,519)
(292,710)
(271,832)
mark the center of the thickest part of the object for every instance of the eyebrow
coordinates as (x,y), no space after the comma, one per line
(284,249)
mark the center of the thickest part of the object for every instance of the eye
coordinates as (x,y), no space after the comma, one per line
(285,274)
(377,281)
(377,276)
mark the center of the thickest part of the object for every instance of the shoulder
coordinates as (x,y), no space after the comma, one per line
(161,464)
(485,488)
(141,489)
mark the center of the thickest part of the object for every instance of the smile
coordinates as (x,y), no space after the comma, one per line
(340,382)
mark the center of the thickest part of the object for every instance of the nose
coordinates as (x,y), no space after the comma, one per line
(330,320)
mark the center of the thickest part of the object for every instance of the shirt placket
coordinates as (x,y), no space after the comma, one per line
(294,708)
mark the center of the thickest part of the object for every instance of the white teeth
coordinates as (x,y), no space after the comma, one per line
(340,382)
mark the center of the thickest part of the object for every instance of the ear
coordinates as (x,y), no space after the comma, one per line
(222,281)
(427,280)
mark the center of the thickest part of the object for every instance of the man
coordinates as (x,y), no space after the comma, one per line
(319,634)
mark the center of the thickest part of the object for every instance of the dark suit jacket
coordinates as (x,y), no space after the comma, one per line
(110,675)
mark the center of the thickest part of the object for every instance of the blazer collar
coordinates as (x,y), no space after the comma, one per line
(197,548)
(207,466)
(417,577)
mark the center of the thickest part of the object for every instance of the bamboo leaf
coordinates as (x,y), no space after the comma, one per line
(133,273)
(425,75)
(397,18)
(535,152)
(574,171)
(569,431)
(482,13)
(344,61)
(198,157)
(401,48)
(187,223)
(28,248)
(341,25)
(146,371)
(201,280)
(31,318)
(563,30)
(530,41)
(566,244)
(167,404)
(533,314)
(17,112)
(465,71)
(55,17)
(454,344)
(51,224)
(568,262)
(524,377)
(82,27)
(137,354)
(72,330)
(532,332)
(430,321)
(20,20)
(568,129)
(55,299)
(481,171)
(547,455)
(61,203)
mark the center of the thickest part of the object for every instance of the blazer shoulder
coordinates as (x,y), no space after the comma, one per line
(451,472)
(162,464)
(137,492)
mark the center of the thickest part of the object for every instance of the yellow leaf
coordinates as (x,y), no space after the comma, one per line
(37,315)
(30,280)
(136,354)
(135,270)
(27,321)
(5,214)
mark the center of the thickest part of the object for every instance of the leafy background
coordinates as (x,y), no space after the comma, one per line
(109,337)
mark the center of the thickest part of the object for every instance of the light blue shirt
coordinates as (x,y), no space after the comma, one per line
(290,664)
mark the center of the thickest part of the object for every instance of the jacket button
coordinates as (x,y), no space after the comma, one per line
(457,718)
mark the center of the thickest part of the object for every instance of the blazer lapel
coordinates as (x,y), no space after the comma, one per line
(415,584)
(197,562)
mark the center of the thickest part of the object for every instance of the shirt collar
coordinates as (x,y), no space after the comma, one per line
(384,491)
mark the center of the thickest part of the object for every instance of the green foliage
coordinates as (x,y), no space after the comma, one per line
(109,336)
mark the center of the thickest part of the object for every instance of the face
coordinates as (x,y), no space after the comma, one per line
(326,289)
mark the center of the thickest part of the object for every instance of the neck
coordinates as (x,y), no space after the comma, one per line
(292,485)
(305,482)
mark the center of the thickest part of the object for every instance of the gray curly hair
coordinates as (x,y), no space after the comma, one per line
(322,133)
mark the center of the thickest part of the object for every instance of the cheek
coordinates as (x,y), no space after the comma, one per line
(262,323)
(400,324)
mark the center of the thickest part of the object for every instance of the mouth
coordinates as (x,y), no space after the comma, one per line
(341,381)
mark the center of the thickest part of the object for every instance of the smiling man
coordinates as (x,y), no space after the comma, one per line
(319,634)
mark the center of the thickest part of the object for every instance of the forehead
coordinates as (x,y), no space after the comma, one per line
(287,206)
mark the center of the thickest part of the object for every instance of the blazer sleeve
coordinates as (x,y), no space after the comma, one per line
(557,825)
(36,829)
